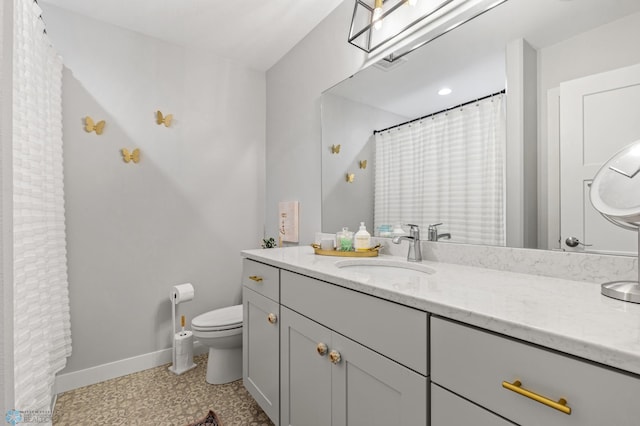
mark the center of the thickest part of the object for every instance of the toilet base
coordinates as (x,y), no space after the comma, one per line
(224,365)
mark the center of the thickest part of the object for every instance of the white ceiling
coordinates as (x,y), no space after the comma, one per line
(254,32)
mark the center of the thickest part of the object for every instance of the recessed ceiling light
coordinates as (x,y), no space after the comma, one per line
(444,91)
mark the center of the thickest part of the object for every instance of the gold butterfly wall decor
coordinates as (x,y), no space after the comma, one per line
(363,164)
(350,177)
(166,120)
(335,149)
(91,126)
(130,156)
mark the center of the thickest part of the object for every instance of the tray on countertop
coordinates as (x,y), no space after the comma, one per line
(371,252)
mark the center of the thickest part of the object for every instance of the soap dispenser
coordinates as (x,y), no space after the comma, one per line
(362,239)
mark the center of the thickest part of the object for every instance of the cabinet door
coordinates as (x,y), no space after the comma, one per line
(305,371)
(260,355)
(448,409)
(369,389)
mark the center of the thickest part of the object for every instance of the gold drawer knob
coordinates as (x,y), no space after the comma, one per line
(334,356)
(272,318)
(560,405)
(255,278)
(322,349)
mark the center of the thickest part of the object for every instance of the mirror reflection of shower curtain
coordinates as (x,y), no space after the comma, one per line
(42,335)
(447,168)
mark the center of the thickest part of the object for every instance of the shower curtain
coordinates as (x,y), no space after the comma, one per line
(447,168)
(42,335)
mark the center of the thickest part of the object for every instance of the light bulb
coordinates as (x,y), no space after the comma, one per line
(412,2)
(444,91)
(377,15)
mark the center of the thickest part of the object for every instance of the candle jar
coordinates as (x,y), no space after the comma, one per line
(344,240)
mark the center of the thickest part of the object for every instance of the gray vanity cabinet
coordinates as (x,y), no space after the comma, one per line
(336,354)
(328,379)
(336,363)
(261,335)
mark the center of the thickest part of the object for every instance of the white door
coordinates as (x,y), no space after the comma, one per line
(599,115)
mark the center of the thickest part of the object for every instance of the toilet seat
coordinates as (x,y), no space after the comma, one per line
(219,319)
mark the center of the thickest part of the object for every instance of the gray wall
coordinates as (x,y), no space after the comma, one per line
(349,124)
(294,87)
(183,213)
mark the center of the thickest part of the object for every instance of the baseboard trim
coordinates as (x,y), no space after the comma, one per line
(111,370)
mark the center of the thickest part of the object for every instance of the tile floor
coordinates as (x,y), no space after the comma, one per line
(158,397)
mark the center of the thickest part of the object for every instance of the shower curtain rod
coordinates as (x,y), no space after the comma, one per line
(501,92)
(44,31)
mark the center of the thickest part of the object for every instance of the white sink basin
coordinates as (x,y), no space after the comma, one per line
(387,267)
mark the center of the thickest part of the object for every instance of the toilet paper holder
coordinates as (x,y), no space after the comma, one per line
(182,341)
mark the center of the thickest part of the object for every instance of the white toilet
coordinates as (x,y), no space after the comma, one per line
(221,331)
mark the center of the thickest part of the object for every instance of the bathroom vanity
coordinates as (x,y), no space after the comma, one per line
(447,345)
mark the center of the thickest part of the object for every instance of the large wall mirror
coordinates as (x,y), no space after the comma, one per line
(556,60)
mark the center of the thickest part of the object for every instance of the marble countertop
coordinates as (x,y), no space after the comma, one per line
(568,316)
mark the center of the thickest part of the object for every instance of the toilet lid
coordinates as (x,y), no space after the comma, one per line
(219,319)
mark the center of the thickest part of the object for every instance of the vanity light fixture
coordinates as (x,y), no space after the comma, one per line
(444,91)
(368,33)
(377,15)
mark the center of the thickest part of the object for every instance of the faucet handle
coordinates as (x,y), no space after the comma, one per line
(414,230)
(433,231)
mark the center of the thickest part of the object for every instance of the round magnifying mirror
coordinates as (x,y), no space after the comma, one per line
(615,193)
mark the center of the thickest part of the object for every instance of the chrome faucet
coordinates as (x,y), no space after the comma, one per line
(433,233)
(414,254)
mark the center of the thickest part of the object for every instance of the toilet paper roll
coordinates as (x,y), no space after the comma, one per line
(181,293)
(184,350)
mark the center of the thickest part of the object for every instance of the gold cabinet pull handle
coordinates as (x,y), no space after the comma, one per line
(256,278)
(560,405)
(322,349)
(272,318)
(334,356)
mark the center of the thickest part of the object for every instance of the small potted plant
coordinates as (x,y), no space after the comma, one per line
(268,243)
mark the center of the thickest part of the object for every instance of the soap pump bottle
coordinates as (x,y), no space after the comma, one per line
(362,239)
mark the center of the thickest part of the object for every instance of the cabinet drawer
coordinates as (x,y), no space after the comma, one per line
(393,330)
(261,278)
(474,364)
